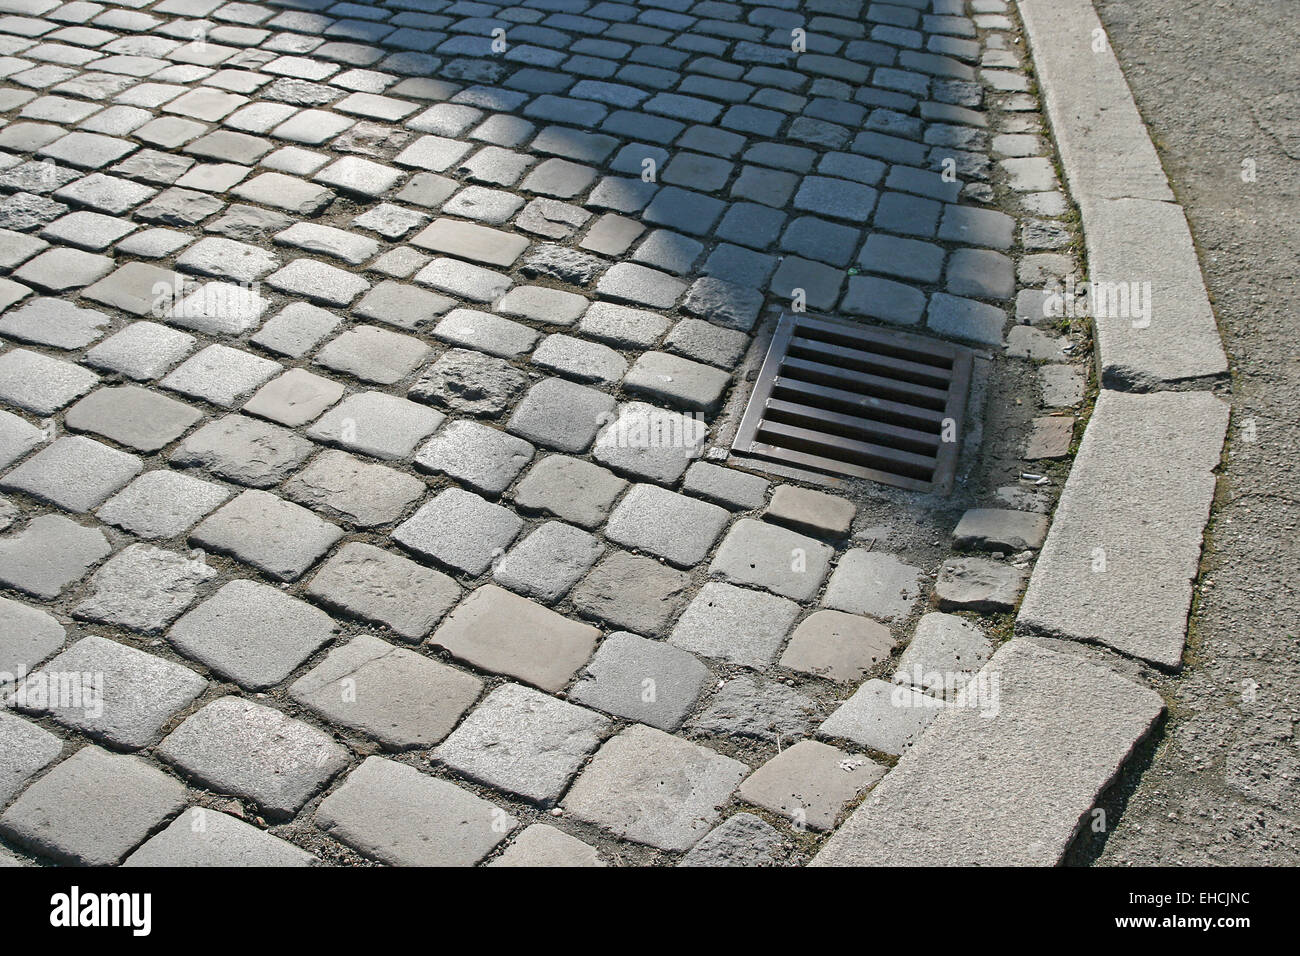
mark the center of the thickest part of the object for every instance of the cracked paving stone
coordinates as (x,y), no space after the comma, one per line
(373,354)
(397,696)
(523,742)
(650,787)
(359,492)
(276,537)
(459,529)
(663,523)
(160,504)
(28,635)
(767,556)
(48,321)
(549,561)
(137,694)
(244,450)
(40,384)
(561,415)
(75,473)
(882,716)
(203,837)
(749,706)
(50,818)
(735,624)
(395,814)
(376,424)
(25,749)
(143,588)
(372,584)
(742,840)
(484,458)
(873,583)
(132,416)
(650,443)
(837,646)
(469,382)
(248,750)
(810,783)
(252,633)
(503,633)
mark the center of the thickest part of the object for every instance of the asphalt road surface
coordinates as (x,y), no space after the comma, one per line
(1217,83)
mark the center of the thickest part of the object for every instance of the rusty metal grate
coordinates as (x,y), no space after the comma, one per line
(858,401)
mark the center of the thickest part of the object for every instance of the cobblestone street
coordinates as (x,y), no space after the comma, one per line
(368,373)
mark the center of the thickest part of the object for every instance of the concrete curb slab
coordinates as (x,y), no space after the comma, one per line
(1119,560)
(1008,783)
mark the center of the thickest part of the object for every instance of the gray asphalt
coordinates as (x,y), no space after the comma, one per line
(1217,83)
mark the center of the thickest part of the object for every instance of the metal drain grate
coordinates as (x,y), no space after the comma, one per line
(859,401)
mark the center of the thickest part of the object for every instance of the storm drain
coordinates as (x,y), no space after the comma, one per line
(858,401)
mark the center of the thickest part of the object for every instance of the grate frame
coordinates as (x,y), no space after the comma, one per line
(800,408)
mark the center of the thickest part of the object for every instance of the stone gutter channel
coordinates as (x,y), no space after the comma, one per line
(367,374)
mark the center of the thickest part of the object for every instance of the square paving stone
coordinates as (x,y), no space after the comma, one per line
(724,303)
(569,488)
(373,355)
(561,415)
(227,259)
(215,308)
(735,624)
(838,646)
(359,492)
(208,838)
(87,150)
(460,530)
(285,192)
(469,382)
(47,321)
(813,512)
(945,651)
(579,359)
(88,230)
(882,716)
(396,696)
(328,241)
(160,504)
(726,486)
(479,244)
(549,561)
(251,633)
(402,305)
(132,416)
(397,815)
(142,351)
(92,809)
(376,424)
(649,682)
(17,438)
(221,375)
(372,584)
(244,450)
(633,592)
(294,398)
(706,342)
(25,749)
(666,524)
(673,380)
(464,280)
(749,706)
(873,583)
(143,588)
(248,750)
(318,282)
(28,635)
(296,329)
(650,442)
(276,537)
(74,473)
(763,555)
(523,742)
(810,783)
(48,554)
(503,633)
(629,282)
(742,840)
(352,174)
(650,787)
(133,696)
(544,305)
(542,845)
(484,332)
(40,384)
(479,456)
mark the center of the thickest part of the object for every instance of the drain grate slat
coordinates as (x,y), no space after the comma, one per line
(858,401)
